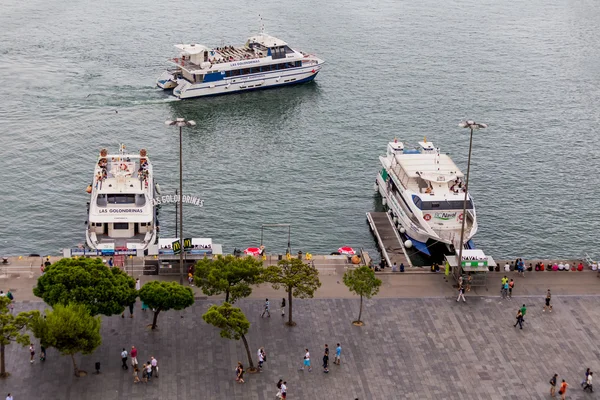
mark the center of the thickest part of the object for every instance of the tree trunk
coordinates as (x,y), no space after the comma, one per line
(227,296)
(360,312)
(248,352)
(290,321)
(155,318)
(2,366)
(75,365)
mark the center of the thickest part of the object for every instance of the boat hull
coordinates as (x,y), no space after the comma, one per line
(186,90)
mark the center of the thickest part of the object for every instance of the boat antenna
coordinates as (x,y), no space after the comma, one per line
(261,28)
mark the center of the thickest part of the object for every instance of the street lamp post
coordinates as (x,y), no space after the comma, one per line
(472,125)
(181,122)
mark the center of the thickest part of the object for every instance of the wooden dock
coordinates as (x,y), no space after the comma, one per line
(390,242)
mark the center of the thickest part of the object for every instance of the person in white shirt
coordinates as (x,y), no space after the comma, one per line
(261,359)
(154,365)
(137,284)
(284,390)
(507,267)
(9,397)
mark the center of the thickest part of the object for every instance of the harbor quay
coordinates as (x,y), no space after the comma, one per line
(417,343)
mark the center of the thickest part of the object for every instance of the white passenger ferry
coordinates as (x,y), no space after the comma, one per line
(425,191)
(263,62)
(121,210)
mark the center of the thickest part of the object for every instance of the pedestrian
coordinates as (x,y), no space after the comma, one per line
(278,395)
(503,280)
(338,354)
(110,262)
(511,285)
(131,305)
(266,310)
(523,312)
(548,298)
(261,359)
(10,295)
(469,282)
(133,354)
(284,390)
(136,377)
(43,353)
(461,293)
(587,372)
(124,359)
(138,285)
(144,306)
(563,389)
(553,385)
(588,383)
(31,352)
(190,279)
(144,373)
(519,319)
(283,306)
(505,290)
(149,370)
(240,373)
(326,360)
(11,307)
(306,362)
(154,365)
(9,397)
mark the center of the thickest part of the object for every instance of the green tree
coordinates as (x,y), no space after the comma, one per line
(70,329)
(362,281)
(233,324)
(164,296)
(230,275)
(297,278)
(103,290)
(11,329)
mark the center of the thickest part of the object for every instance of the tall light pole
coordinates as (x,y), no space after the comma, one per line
(181,122)
(472,125)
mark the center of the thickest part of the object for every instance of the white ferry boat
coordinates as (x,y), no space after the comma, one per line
(121,210)
(263,62)
(424,190)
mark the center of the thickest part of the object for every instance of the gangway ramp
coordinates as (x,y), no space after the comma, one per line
(390,242)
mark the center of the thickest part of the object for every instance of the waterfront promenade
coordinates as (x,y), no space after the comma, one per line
(418,343)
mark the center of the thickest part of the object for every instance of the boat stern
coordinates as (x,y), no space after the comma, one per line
(166,80)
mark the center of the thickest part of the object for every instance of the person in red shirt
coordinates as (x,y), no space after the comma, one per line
(563,389)
(133,354)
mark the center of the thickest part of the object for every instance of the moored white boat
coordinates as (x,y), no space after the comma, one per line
(424,190)
(263,62)
(121,212)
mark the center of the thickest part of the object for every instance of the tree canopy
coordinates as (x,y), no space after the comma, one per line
(297,278)
(232,322)
(12,329)
(362,281)
(70,329)
(164,296)
(101,289)
(230,275)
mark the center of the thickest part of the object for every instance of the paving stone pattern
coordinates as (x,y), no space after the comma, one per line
(409,349)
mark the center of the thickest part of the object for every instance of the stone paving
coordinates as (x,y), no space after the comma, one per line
(429,348)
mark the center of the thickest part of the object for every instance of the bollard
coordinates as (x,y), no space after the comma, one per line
(280,257)
(299,254)
(97,367)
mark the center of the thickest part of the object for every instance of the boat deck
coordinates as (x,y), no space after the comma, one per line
(390,242)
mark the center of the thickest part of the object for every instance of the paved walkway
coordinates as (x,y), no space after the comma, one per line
(428,348)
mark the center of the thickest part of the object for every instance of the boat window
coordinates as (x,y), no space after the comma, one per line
(417,201)
(277,52)
(442,205)
(298,63)
(121,225)
(101,200)
(288,50)
(245,71)
(121,198)
(254,70)
(140,200)
(235,72)
(142,224)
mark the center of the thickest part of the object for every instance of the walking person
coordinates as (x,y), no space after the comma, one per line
(154,365)
(240,373)
(9,397)
(138,284)
(278,395)
(519,319)
(563,389)
(261,359)
(548,298)
(326,360)
(144,373)
(553,385)
(124,359)
(469,281)
(306,362)
(144,306)
(136,377)
(284,390)
(283,306)
(338,354)
(523,312)
(511,285)
(149,370)
(461,293)
(588,383)
(587,373)
(133,354)
(503,280)
(31,353)
(42,353)
(266,310)
(505,290)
